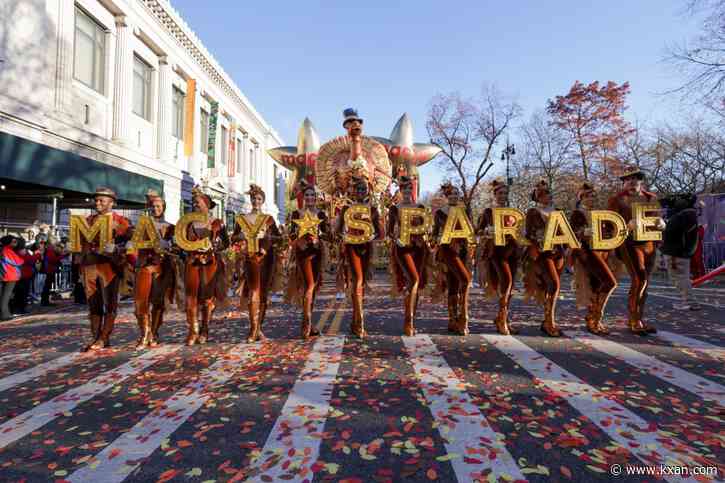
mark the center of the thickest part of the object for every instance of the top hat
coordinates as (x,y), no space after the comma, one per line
(350,115)
(103,191)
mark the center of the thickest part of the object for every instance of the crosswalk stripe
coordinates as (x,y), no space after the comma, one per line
(699,386)
(13,357)
(474,446)
(121,457)
(335,325)
(29,421)
(293,445)
(649,444)
(326,315)
(690,343)
(18,378)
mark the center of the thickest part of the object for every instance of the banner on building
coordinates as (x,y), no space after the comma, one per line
(213,116)
(189,117)
(231,165)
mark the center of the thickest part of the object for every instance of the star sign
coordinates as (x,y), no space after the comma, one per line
(307,224)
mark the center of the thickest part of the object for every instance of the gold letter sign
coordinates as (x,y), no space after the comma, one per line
(102,229)
(500,230)
(406,227)
(357,217)
(643,224)
(559,232)
(144,236)
(180,233)
(457,226)
(620,230)
(251,231)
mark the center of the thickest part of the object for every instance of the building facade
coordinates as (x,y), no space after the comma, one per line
(121,93)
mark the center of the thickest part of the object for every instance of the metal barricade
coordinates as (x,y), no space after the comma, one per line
(62,279)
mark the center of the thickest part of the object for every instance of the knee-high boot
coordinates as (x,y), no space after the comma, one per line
(108,324)
(262,315)
(358,322)
(192,336)
(408,327)
(453,313)
(204,329)
(157,318)
(253,308)
(463,313)
(549,326)
(95,333)
(144,327)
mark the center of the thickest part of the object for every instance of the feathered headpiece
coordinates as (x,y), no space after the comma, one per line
(448,189)
(585,188)
(152,195)
(256,190)
(538,188)
(197,191)
(496,184)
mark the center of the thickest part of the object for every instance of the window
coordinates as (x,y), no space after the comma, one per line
(141,88)
(177,113)
(240,153)
(204,120)
(225,145)
(89,52)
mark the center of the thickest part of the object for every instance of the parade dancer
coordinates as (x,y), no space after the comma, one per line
(259,268)
(594,280)
(454,257)
(408,262)
(204,272)
(308,259)
(358,256)
(102,269)
(155,276)
(498,264)
(638,257)
(543,268)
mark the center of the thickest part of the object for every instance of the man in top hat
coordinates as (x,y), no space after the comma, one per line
(638,256)
(154,276)
(101,270)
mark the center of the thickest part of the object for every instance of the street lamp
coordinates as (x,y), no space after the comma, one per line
(506,156)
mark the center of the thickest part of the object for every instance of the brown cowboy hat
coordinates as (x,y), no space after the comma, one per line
(633,172)
(103,191)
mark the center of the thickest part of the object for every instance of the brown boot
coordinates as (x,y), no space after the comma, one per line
(358,323)
(108,323)
(157,318)
(637,327)
(192,336)
(501,322)
(262,316)
(462,327)
(408,327)
(144,327)
(549,326)
(253,322)
(452,313)
(599,300)
(306,325)
(592,325)
(95,333)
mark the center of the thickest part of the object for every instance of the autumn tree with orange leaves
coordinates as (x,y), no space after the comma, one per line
(592,115)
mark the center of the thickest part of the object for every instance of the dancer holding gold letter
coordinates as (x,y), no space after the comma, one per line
(204,274)
(498,264)
(101,265)
(155,277)
(256,232)
(543,267)
(638,252)
(407,229)
(452,253)
(309,226)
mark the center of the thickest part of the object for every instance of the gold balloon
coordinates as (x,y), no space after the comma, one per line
(251,231)
(357,217)
(407,229)
(500,230)
(145,236)
(643,224)
(180,233)
(102,229)
(620,233)
(559,232)
(307,225)
(457,226)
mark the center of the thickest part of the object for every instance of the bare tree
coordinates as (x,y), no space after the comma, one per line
(468,130)
(703,59)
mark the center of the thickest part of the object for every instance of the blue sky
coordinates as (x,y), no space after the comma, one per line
(312,58)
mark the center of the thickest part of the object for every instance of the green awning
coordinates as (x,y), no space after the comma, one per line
(29,162)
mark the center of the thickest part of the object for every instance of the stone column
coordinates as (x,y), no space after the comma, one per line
(64,54)
(164,110)
(122,81)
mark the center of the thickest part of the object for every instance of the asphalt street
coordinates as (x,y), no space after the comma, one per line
(433,407)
